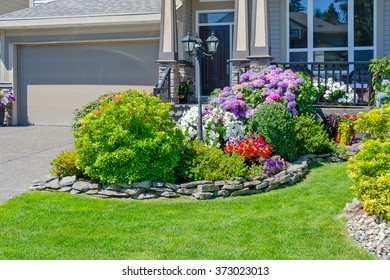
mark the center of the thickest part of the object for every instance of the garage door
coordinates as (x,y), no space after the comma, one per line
(55,80)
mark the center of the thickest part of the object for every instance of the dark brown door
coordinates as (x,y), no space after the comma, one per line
(215,72)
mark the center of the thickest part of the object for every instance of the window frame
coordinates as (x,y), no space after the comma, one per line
(310,49)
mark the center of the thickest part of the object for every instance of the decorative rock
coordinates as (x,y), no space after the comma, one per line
(73,191)
(107,192)
(195,184)
(112,187)
(37,188)
(68,181)
(125,186)
(65,189)
(158,184)
(54,185)
(250,184)
(45,180)
(273,186)
(233,187)
(143,184)
(259,178)
(240,192)
(92,192)
(222,183)
(224,193)
(169,194)
(135,191)
(82,186)
(202,195)
(143,196)
(172,186)
(240,179)
(207,188)
(185,191)
(370,231)
(261,186)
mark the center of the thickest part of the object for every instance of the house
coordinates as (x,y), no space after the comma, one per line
(61,54)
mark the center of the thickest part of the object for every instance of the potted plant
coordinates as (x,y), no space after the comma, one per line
(186,89)
(6,99)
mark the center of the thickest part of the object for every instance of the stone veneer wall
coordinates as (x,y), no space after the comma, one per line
(200,190)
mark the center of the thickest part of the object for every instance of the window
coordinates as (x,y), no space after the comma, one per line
(331,30)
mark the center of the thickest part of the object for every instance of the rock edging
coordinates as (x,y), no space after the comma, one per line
(369,231)
(200,190)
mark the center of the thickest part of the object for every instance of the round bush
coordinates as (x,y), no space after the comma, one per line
(129,138)
(370,171)
(311,135)
(277,126)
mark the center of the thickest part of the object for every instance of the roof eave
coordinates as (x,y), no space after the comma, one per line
(79,21)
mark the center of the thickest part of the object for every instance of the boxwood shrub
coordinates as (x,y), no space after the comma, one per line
(311,135)
(277,126)
(130,137)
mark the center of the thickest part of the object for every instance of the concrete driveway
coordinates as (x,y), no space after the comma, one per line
(26,153)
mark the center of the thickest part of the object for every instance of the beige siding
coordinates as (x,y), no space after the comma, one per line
(8,6)
(54,80)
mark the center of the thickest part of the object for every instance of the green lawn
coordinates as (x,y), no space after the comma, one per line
(299,222)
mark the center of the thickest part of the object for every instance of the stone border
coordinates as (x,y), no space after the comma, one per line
(200,190)
(369,231)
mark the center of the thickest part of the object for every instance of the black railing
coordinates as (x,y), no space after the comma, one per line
(353,76)
(163,88)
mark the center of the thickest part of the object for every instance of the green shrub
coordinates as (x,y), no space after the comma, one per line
(129,138)
(211,163)
(370,171)
(306,96)
(65,164)
(89,108)
(376,123)
(277,126)
(311,135)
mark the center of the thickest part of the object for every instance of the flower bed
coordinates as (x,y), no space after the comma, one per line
(201,190)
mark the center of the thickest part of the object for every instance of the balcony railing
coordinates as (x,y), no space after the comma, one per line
(353,77)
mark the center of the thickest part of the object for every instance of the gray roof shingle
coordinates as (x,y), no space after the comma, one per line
(84,8)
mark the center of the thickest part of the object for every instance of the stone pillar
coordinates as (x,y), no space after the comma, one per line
(259,52)
(174,77)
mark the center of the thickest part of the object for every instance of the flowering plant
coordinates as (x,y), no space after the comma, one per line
(383,94)
(274,165)
(330,89)
(272,84)
(251,148)
(346,129)
(6,98)
(218,125)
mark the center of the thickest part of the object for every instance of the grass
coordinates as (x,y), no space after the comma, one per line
(299,222)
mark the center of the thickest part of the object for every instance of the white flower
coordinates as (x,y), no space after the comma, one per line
(218,126)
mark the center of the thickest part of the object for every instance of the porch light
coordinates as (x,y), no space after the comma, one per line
(189,43)
(212,43)
(194,46)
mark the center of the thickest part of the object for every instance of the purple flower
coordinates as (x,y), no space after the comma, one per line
(275,96)
(289,96)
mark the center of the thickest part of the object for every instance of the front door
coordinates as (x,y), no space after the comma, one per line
(215,72)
